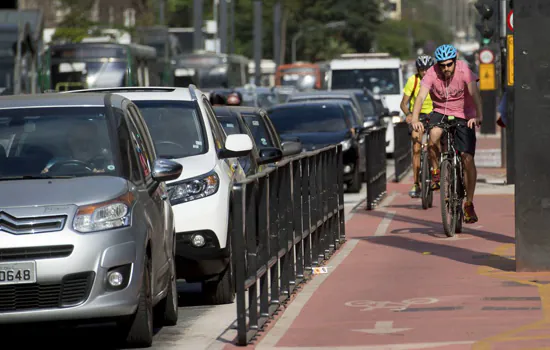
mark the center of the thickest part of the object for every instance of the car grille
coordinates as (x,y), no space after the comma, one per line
(35,253)
(73,290)
(22,226)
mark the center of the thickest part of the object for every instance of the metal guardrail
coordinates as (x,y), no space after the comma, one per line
(375,144)
(286,221)
(403,150)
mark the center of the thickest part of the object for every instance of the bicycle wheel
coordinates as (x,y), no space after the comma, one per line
(426,181)
(448,197)
(459,200)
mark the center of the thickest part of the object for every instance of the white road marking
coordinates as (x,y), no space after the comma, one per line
(369,305)
(385,224)
(409,346)
(382,327)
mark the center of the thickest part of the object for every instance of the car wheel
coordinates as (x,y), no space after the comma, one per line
(167,314)
(138,329)
(222,291)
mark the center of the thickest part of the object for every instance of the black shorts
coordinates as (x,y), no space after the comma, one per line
(465,138)
(424,118)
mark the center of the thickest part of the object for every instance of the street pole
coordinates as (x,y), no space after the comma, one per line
(223,26)
(293,45)
(232,25)
(197,24)
(17,66)
(258,41)
(161,11)
(277,33)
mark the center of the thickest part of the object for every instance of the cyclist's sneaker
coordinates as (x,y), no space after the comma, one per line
(415,191)
(435,180)
(470,215)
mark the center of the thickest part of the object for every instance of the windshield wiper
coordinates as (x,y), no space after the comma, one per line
(33,177)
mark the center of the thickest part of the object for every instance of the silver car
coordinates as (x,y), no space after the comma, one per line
(86,228)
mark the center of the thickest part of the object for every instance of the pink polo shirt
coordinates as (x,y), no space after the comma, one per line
(451,97)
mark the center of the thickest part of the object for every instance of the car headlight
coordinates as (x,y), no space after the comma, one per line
(346,144)
(191,189)
(104,216)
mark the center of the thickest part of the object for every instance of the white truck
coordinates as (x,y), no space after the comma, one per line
(378,72)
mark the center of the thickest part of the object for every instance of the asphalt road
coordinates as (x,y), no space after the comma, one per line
(200,326)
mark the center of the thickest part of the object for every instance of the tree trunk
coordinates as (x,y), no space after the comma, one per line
(284,14)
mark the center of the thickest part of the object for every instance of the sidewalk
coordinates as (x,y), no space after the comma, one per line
(399,283)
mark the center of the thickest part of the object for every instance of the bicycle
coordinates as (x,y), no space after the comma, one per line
(452,188)
(425,170)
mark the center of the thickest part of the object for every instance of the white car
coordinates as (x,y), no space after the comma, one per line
(184,128)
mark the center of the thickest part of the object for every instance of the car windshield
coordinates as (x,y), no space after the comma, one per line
(367,105)
(230,125)
(55,141)
(258,130)
(308,119)
(387,80)
(175,127)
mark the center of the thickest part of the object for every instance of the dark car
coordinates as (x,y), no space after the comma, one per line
(264,133)
(319,124)
(232,123)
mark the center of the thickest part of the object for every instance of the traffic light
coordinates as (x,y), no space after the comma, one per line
(488,28)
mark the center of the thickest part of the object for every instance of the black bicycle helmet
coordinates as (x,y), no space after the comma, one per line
(424,62)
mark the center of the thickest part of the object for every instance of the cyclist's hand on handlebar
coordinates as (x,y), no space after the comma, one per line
(409,118)
(418,126)
(472,123)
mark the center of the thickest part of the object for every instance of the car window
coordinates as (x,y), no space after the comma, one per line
(230,125)
(175,127)
(259,131)
(144,157)
(63,141)
(309,118)
(217,131)
(368,106)
(351,114)
(129,161)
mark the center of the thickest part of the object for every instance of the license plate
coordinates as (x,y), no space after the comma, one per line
(17,273)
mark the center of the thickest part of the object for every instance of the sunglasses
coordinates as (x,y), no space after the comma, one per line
(443,65)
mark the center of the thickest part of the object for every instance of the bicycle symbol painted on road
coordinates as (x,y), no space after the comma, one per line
(369,305)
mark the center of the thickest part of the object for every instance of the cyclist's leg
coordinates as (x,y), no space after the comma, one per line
(417,146)
(434,147)
(465,143)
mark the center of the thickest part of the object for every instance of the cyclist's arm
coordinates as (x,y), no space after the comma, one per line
(422,94)
(405,104)
(474,92)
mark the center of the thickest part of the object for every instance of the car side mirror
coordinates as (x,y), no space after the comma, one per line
(236,145)
(291,148)
(166,170)
(270,155)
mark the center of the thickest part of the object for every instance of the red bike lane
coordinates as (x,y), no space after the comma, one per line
(405,285)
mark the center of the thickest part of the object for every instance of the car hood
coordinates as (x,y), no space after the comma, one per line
(74,191)
(317,140)
(195,166)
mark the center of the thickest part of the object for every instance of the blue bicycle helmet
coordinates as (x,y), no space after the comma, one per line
(445,52)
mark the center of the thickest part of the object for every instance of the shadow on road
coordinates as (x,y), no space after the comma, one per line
(90,336)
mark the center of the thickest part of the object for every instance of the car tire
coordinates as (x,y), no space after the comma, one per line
(167,309)
(355,184)
(138,328)
(222,291)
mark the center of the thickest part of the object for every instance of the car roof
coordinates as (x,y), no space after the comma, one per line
(58,100)
(225,111)
(147,93)
(305,104)
(248,109)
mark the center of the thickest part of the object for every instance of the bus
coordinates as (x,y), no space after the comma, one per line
(267,72)
(210,70)
(302,76)
(89,65)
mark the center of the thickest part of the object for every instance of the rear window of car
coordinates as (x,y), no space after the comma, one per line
(259,130)
(230,125)
(175,126)
(309,118)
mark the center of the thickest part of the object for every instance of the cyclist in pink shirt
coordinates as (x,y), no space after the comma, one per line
(453,89)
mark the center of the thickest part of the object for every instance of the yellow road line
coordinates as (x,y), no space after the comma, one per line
(525,279)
